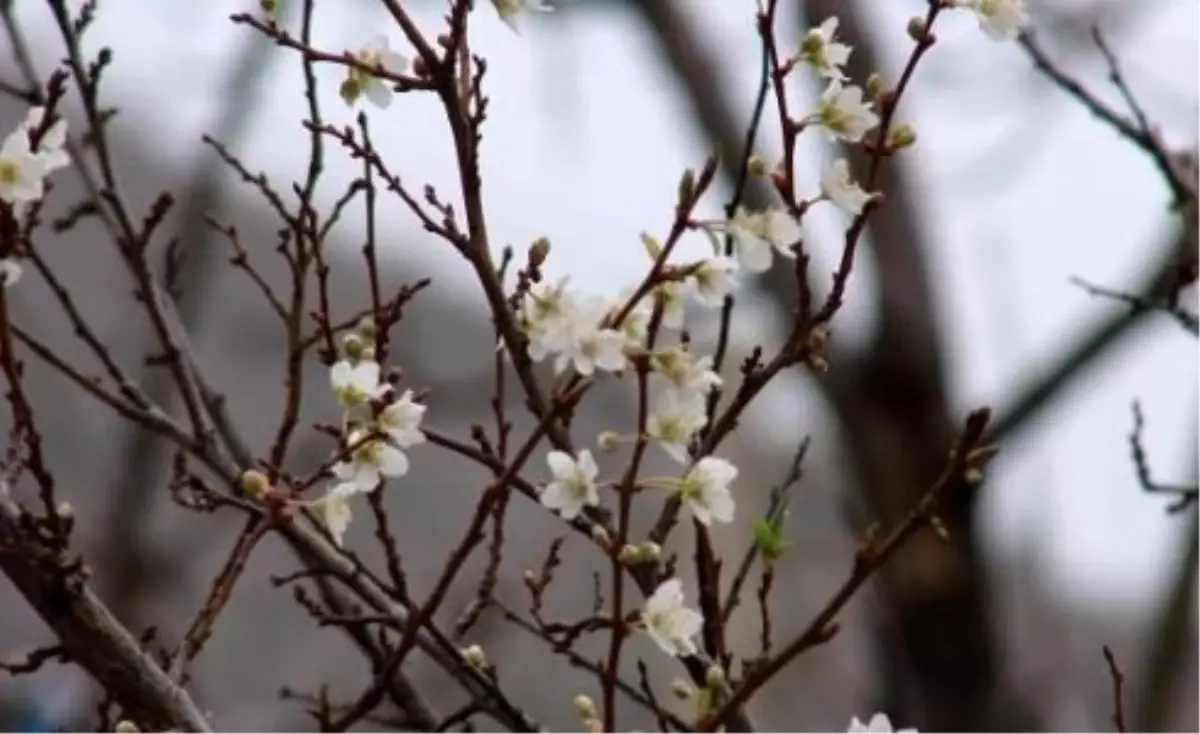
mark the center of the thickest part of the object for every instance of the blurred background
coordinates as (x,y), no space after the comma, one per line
(962,298)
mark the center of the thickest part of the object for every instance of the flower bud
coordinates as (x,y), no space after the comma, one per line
(687,186)
(125,726)
(715,677)
(539,250)
(876,84)
(902,137)
(353,346)
(650,552)
(366,328)
(607,441)
(600,535)
(474,657)
(757,165)
(254,483)
(585,707)
(629,555)
(917,29)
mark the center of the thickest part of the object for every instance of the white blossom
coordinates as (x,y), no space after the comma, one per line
(879,724)
(823,53)
(510,11)
(377,53)
(401,420)
(756,235)
(713,280)
(21,170)
(10,271)
(545,318)
(371,461)
(589,346)
(668,622)
(839,186)
(672,423)
(705,490)
(845,113)
(690,378)
(354,383)
(1001,20)
(574,483)
(334,509)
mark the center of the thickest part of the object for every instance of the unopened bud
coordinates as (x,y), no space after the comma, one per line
(876,85)
(474,657)
(600,535)
(629,555)
(353,346)
(350,90)
(539,251)
(366,328)
(917,29)
(687,186)
(269,7)
(607,441)
(902,137)
(125,726)
(585,707)
(757,165)
(715,677)
(650,552)
(65,510)
(254,483)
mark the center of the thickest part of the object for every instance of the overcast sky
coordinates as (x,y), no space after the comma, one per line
(577,105)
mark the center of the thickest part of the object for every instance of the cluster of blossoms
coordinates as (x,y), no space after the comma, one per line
(24,168)
(592,334)
(378,426)
(581,333)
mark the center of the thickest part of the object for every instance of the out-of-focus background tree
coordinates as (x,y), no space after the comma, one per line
(965,297)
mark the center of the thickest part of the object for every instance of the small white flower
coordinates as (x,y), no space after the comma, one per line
(668,622)
(10,271)
(690,378)
(673,422)
(757,234)
(371,462)
(844,113)
(401,420)
(21,170)
(824,54)
(879,724)
(1001,20)
(545,318)
(574,483)
(713,280)
(377,53)
(510,11)
(839,186)
(334,509)
(705,490)
(354,383)
(591,347)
